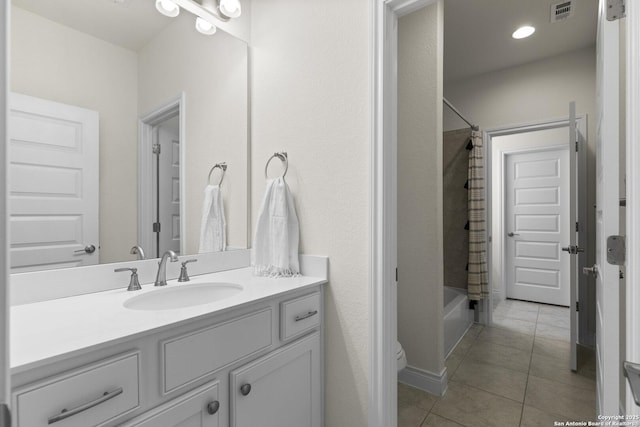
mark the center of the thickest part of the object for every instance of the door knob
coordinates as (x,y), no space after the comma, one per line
(89,249)
(590,271)
(213,407)
(245,389)
(511,234)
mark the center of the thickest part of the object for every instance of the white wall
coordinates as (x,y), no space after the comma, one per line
(311,98)
(420,223)
(54,62)
(212,72)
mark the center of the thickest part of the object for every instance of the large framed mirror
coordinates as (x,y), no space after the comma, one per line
(90,80)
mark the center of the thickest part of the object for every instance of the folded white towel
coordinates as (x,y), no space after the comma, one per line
(275,242)
(213,236)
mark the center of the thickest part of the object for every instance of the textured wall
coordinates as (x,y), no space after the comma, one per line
(420,173)
(311,98)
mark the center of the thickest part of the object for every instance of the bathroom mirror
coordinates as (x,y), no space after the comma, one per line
(113,63)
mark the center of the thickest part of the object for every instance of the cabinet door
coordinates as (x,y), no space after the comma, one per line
(280,389)
(198,408)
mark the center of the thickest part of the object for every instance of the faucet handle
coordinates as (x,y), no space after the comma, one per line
(134,284)
(184,276)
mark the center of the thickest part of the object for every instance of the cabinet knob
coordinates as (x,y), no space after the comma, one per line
(213,407)
(245,389)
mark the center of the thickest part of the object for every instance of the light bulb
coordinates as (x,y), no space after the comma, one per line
(523,32)
(167,8)
(230,8)
(205,27)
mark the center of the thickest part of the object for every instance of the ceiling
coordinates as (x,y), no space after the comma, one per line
(477,34)
(127,23)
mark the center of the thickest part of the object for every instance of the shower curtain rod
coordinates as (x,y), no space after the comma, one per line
(455,110)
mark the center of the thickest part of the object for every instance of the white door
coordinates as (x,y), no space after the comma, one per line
(167,192)
(608,338)
(53,184)
(536,217)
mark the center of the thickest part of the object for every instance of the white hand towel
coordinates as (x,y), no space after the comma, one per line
(213,237)
(275,242)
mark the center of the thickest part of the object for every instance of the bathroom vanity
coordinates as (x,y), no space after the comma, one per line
(247,358)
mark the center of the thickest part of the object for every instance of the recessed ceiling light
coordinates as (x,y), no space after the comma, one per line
(523,32)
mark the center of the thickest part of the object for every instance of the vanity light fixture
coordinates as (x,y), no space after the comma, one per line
(206,11)
(167,8)
(523,32)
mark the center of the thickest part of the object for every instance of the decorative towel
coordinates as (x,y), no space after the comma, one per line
(213,236)
(275,242)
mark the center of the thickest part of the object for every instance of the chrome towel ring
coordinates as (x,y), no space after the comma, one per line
(223,167)
(282,155)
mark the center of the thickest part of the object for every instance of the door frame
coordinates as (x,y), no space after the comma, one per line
(146,125)
(383,375)
(632,265)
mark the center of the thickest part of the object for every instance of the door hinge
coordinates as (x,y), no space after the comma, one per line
(577,146)
(577,305)
(616,9)
(156,149)
(577,226)
(396,274)
(156,227)
(616,250)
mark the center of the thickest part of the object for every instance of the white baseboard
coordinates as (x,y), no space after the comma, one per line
(424,380)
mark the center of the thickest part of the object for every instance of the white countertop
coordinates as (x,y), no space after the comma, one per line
(44,332)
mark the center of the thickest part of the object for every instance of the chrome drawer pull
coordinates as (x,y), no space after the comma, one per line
(305,316)
(64,414)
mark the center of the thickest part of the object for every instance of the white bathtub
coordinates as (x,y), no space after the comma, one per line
(457,317)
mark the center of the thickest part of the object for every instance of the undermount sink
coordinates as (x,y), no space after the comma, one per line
(182,296)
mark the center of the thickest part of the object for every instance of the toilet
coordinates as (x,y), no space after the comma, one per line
(402,358)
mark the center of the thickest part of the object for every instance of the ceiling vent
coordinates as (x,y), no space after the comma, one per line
(561,11)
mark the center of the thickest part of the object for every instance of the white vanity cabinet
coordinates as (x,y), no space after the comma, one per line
(257,364)
(279,389)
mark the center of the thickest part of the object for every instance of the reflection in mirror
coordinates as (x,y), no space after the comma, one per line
(83,75)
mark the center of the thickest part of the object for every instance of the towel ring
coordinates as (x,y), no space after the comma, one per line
(283,158)
(223,167)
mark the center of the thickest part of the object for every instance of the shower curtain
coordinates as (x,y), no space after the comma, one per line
(477,279)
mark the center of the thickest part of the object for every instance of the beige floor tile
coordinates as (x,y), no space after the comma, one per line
(438,421)
(472,407)
(554,319)
(494,379)
(533,417)
(466,342)
(558,370)
(553,332)
(416,397)
(516,313)
(452,362)
(555,397)
(515,325)
(506,338)
(475,330)
(500,355)
(522,305)
(548,347)
(554,310)
(410,416)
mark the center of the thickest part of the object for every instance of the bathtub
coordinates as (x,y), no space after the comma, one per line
(457,317)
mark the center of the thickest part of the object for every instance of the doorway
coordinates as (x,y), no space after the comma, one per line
(161,179)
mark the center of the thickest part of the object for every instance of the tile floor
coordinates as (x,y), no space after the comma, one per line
(515,373)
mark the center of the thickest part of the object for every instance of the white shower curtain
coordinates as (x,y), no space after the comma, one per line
(477,278)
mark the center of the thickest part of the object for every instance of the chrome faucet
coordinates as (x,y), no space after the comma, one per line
(137,250)
(161,277)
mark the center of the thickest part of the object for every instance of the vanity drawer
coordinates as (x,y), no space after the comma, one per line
(190,357)
(90,396)
(299,315)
